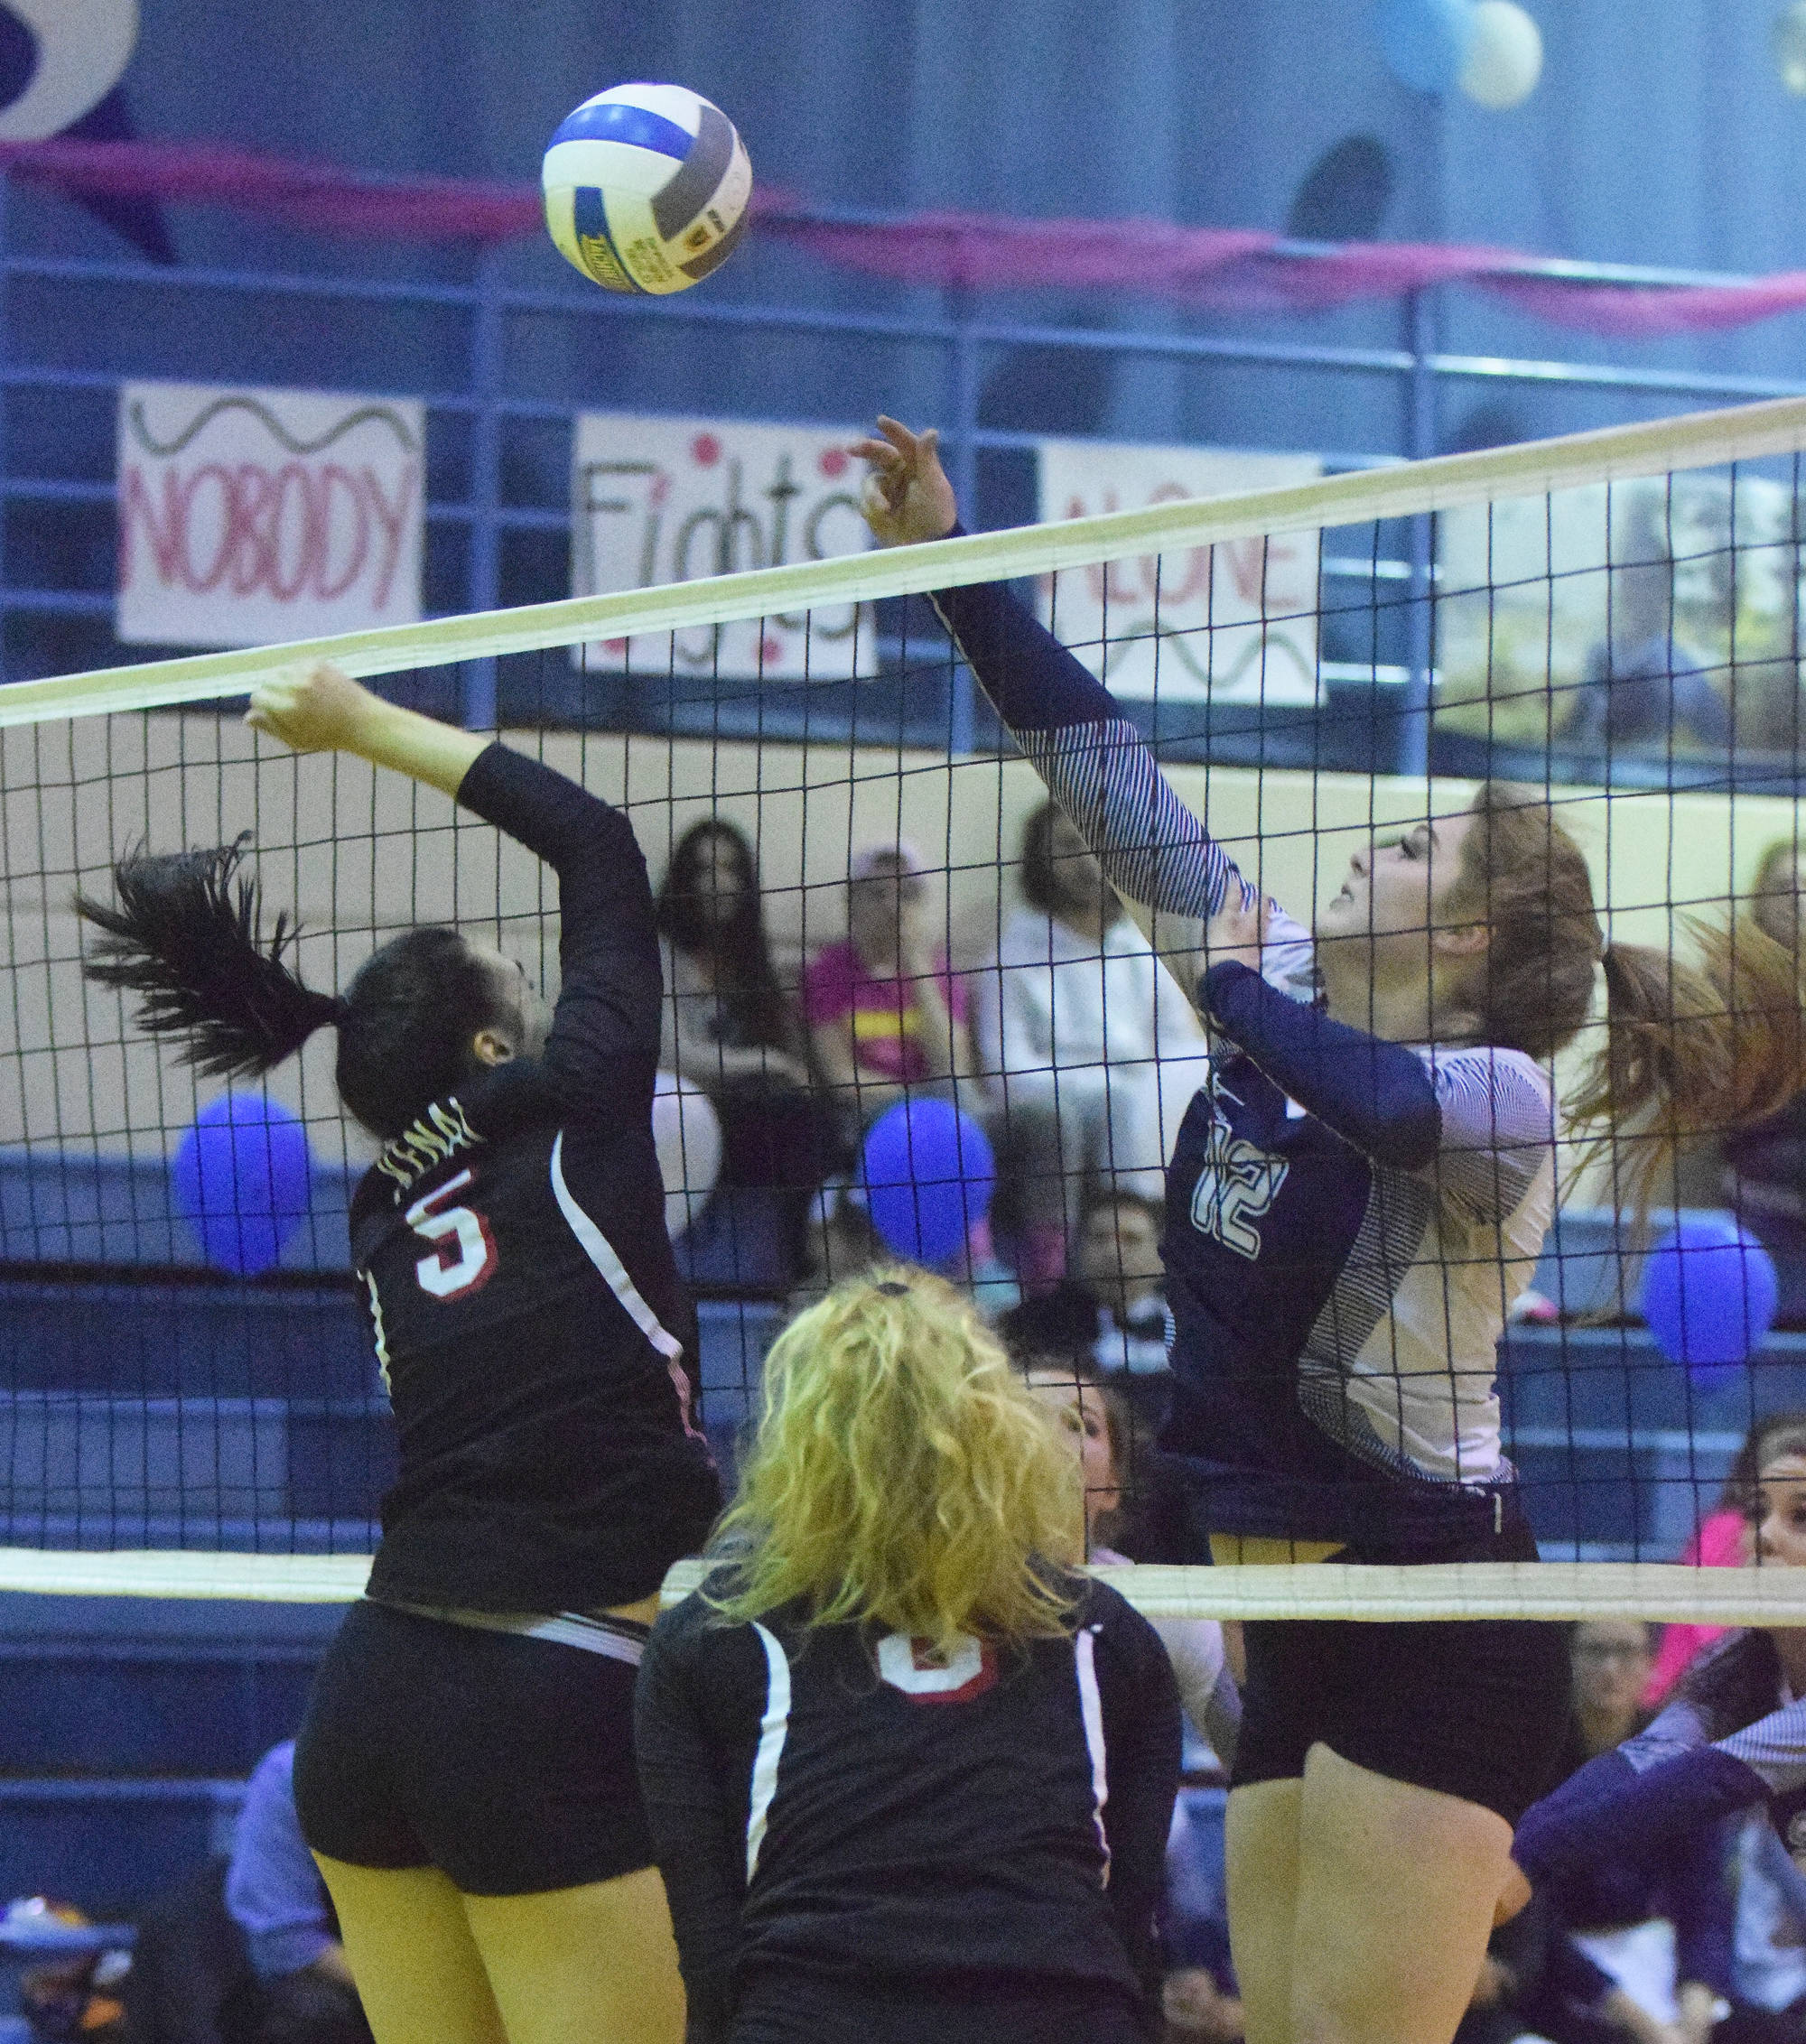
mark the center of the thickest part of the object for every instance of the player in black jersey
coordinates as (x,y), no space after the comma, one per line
(1353,1203)
(911,1778)
(465,1773)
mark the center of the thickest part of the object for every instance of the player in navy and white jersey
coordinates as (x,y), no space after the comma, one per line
(1354,1203)
(1731,1737)
(465,1773)
(910,1777)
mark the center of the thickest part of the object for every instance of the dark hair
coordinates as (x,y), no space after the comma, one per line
(1776,1434)
(738,949)
(1112,1196)
(1042,886)
(1690,1048)
(1119,1424)
(1783,851)
(184,936)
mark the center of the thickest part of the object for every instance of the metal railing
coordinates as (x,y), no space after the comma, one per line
(494,396)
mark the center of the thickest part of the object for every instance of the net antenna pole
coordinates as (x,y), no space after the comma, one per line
(1420,323)
(962,449)
(476,690)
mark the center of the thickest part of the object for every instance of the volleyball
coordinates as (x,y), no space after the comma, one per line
(647,188)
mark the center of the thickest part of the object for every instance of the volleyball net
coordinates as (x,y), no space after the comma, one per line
(189,1400)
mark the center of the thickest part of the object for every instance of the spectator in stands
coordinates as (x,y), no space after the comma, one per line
(1071,1016)
(885,1014)
(1721,1542)
(1643,688)
(1096,1422)
(301,1986)
(1636,1944)
(729,1029)
(1765,1165)
(1112,1309)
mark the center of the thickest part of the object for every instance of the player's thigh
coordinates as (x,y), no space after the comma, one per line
(1261,1850)
(595,1964)
(1397,1886)
(419,1972)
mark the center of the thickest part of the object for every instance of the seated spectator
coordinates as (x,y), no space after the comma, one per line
(1113,1310)
(1643,688)
(1071,1018)
(1097,1424)
(302,1987)
(885,1014)
(1721,1542)
(247,1952)
(1765,1165)
(1633,1944)
(728,1030)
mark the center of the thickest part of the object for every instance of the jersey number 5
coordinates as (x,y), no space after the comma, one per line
(463,1250)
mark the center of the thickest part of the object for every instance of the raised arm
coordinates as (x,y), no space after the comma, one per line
(1171,874)
(604,1034)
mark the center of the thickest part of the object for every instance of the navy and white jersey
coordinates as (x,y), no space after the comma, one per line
(1732,1738)
(1349,1220)
(829,1801)
(527,1314)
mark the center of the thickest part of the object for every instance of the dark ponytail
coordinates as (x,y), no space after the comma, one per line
(184,936)
(1693,1048)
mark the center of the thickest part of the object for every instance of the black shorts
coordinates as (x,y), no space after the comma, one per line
(506,1763)
(783,2006)
(1474,1707)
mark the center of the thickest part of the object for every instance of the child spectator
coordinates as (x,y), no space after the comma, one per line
(1071,1018)
(1113,1310)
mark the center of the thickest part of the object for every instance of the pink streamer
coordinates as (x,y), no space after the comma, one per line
(1227,268)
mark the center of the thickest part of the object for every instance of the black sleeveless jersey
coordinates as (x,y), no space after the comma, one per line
(531,1330)
(832,1801)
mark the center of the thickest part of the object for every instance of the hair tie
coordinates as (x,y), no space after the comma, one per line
(892,1289)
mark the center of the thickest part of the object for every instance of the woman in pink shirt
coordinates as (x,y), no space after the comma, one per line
(885,1015)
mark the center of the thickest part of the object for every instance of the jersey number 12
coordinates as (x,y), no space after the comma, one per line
(463,1250)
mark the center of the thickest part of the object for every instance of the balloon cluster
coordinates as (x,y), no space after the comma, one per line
(1491,49)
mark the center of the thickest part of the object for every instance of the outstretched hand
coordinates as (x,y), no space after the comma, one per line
(907,495)
(316,709)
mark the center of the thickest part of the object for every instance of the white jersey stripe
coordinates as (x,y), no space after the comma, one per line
(774,1727)
(1091,1708)
(600,1251)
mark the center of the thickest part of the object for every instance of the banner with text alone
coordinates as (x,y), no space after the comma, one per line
(1235,623)
(251,516)
(660,499)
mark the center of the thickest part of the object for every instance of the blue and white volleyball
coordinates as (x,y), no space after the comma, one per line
(647,188)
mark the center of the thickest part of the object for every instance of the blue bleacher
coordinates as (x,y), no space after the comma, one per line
(152,1402)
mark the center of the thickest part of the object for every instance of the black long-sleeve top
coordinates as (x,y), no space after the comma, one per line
(822,1799)
(527,1311)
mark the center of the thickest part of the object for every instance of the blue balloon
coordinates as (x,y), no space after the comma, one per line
(927,1172)
(1708,1292)
(1426,42)
(240,1179)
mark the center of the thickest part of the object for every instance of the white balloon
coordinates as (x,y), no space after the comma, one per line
(83,49)
(688,1134)
(1504,59)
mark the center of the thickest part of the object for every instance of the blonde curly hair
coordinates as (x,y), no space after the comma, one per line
(903,1474)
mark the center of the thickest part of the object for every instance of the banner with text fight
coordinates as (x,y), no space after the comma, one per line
(659,499)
